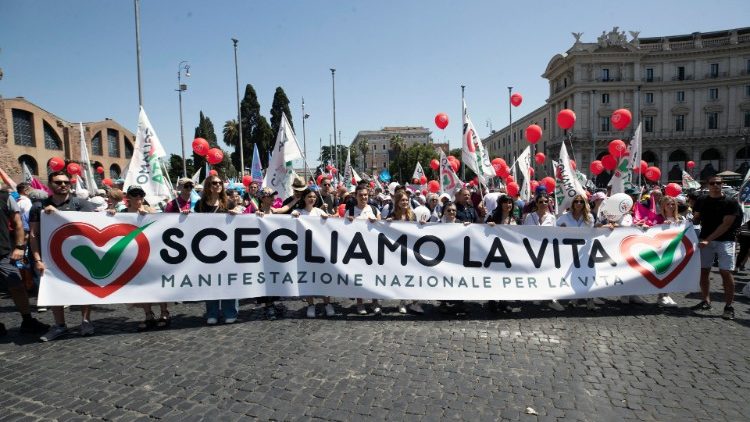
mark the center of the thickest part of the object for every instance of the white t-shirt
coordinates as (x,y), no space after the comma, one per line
(567,220)
(532,219)
(364,214)
(315,212)
(490,201)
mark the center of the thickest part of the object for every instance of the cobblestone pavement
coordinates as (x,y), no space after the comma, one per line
(622,362)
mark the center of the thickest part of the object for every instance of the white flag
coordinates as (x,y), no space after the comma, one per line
(567,185)
(280,174)
(744,198)
(348,170)
(418,173)
(620,180)
(144,168)
(449,181)
(474,154)
(523,163)
(636,148)
(196,177)
(688,182)
(88,173)
(356,176)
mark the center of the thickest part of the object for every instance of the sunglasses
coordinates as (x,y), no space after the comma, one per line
(714,183)
(61,182)
(326,184)
(578,202)
(188,186)
(215,183)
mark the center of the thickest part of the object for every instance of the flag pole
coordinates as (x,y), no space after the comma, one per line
(137,5)
(463,112)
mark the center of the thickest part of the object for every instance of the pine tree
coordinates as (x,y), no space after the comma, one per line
(255,130)
(280,106)
(205,130)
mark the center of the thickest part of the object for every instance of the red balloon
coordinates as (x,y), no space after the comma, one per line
(434,164)
(455,164)
(423,180)
(246,180)
(100,170)
(673,189)
(214,156)
(509,179)
(621,118)
(354,181)
(642,168)
(433,186)
(415,181)
(107,181)
(617,148)
(424,192)
(609,162)
(329,167)
(213,173)
(201,146)
(342,210)
(512,188)
(566,119)
(74,169)
(499,161)
(319,179)
(74,180)
(533,133)
(441,120)
(531,172)
(653,174)
(56,163)
(539,158)
(516,99)
(334,170)
(372,184)
(533,185)
(690,165)
(596,167)
(573,165)
(548,183)
(503,171)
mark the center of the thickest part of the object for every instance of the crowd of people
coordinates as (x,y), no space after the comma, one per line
(21,261)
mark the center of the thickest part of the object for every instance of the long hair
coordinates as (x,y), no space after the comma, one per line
(539,196)
(300,205)
(586,208)
(663,203)
(206,195)
(497,216)
(398,212)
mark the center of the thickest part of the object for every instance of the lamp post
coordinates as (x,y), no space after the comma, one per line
(183,66)
(334,153)
(239,111)
(304,133)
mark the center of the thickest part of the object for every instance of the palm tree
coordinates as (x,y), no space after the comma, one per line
(231,133)
(364,146)
(398,145)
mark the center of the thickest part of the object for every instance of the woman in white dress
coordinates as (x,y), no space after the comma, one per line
(540,215)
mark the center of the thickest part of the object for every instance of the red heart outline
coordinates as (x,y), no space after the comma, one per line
(99,238)
(655,242)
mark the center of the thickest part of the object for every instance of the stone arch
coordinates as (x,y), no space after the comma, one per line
(30,163)
(114,172)
(650,158)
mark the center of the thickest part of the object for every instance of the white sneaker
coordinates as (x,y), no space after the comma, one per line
(416,308)
(87,328)
(662,301)
(329,310)
(669,302)
(637,300)
(230,320)
(402,307)
(212,321)
(361,310)
(377,311)
(311,311)
(554,304)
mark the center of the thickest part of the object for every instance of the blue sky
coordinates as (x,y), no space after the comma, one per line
(398,62)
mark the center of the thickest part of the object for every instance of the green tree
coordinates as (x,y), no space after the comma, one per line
(325,155)
(280,106)
(205,130)
(398,145)
(255,130)
(231,133)
(364,148)
(174,166)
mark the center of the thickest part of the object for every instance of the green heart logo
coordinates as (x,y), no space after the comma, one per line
(667,242)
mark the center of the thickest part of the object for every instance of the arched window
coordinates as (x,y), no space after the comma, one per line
(678,155)
(743,154)
(30,163)
(23,128)
(96,144)
(711,154)
(97,177)
(650,158)
(113,142)
(51,140)
(128,148)
(114,171)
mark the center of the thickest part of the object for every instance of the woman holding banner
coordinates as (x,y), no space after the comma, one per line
(402,212)
(504,213)
(540,215)
(214,200)
(670,216)
(267,197)
(362,210)
(307,207)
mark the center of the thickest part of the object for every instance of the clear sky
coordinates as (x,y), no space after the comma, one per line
(398,62)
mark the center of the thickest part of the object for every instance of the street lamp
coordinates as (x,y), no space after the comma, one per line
(304,133)
(239,111)
(183,66)
(335,144)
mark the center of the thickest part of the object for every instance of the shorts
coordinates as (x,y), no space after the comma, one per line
(9,273)
(723,251)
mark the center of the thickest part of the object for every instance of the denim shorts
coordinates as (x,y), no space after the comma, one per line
(723,251)
(9,274)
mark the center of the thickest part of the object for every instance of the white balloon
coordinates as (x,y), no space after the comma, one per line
(617,205)
(422,213)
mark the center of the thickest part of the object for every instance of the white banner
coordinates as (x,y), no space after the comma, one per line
(93,258)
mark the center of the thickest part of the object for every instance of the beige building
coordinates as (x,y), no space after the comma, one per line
(379,141)
(32,135)
(690,92)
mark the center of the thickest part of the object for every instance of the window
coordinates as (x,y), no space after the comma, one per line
(679,123)
(747,90)
(649,74)
(23,129)
(30,163)
(113,143)
(604,124)
(649,98)
(747,66)
(747,119)
(96,144)
(605,98)
(648,124)
(374,147)
(51,140)
(605,74)
(128,148)
(680,96)
(681,73)
(714,70)
(713,93)
(383,147)
(114,171)
(565,104)
(544,124)
(713,120)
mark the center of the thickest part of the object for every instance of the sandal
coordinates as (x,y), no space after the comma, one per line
(148,324)
(164,321)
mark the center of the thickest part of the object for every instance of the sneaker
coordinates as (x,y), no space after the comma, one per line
(212,321)
(271,313)
(230,320)
(554,304)
(361,310)
(376,310)
(670,303)
(703,306)
(591,305)
(662,301)
(625,300)
(728,312)
(637,300)
(598,301)
(54,332)
(87,328)
(41,309)
(311,311)
(416,308)
(401,308)
(33,326)
(329,310)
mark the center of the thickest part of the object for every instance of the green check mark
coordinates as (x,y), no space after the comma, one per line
(100,268)
(661,263)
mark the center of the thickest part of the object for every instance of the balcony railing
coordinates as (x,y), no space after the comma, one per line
(717,75)
(684,78)
(609,79)
(653,79)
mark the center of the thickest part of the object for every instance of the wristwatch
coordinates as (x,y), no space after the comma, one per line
(21,246)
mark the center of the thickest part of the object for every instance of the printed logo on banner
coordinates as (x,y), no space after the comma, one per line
(660,253)
(100,267)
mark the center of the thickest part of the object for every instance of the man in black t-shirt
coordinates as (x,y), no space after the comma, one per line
(719,217)
(60,200)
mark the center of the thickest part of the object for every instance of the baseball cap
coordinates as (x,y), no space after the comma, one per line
(184,180)
(136,189)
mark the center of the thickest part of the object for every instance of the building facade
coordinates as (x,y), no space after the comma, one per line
(32,135)
(378,143)
(691,93)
